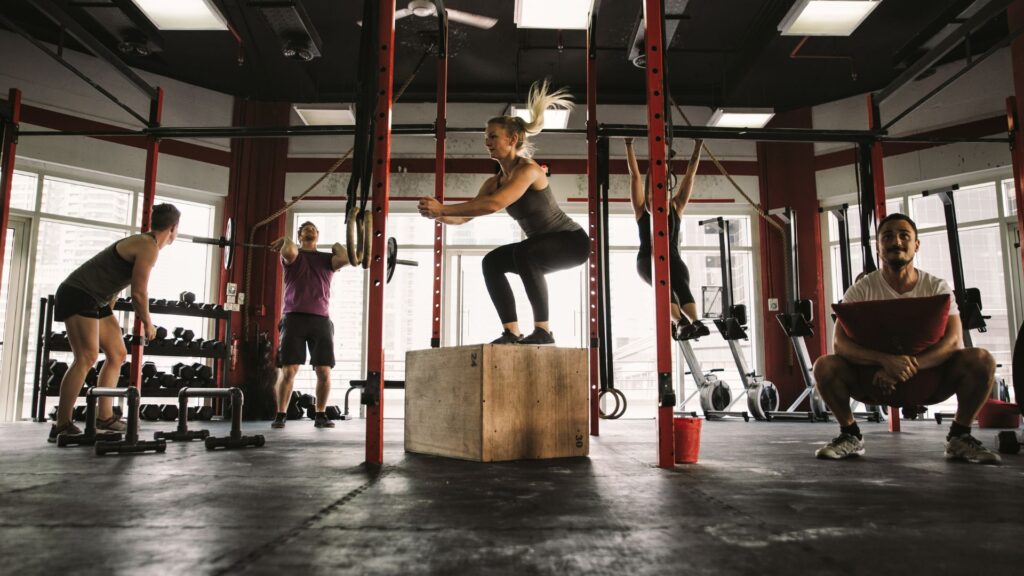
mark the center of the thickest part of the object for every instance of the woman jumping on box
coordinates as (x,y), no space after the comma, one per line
(685,324)
(553,240)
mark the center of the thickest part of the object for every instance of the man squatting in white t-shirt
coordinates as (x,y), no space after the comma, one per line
(966,372)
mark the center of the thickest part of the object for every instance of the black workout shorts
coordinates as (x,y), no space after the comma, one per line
(70,301)
(299,330)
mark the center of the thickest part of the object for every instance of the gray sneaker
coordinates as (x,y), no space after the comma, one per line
(969,449)
(842,446)
(115,424)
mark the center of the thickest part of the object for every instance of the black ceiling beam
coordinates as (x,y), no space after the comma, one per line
(79,33)
(609,130)
(956,76)
(905,55)
(986,13)
(754,45)
(46,49)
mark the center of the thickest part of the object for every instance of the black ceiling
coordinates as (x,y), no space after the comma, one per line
(724,52)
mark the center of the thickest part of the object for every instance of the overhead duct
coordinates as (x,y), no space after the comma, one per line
(673,14)
(292,26)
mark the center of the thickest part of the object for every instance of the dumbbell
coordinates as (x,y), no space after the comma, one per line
(183,371)
(91,376)
(168,412)
(200,370)
(195,345)
(186,298)
(209,307)
(1008,442)
(149,412)
(217,346)
(160,340)
(294,410)
(183,334)
(150,385)
(78,414)
(169,382)
(58,339)
(307,403)
(53,414)
(333,413)
(204,412)
(126,369)
(148,369)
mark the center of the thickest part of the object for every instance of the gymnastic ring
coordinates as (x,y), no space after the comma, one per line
(600,395)
(366,242)
(351,234)
(622,405)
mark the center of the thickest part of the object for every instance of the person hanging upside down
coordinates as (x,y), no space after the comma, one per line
(553,240)
(686,324)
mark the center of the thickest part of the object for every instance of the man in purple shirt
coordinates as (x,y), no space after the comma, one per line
(305,318)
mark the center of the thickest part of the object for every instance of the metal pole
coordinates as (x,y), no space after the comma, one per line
(593,214)
(148,195)
(9,142)
(843,223)
(876,184)
(439,173)
(381,192)
(1017,155)
(654,47)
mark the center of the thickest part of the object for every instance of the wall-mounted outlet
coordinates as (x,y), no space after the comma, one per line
(773,304)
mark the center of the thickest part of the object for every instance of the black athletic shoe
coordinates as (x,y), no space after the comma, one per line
(539,336)
(680,330)
(699,329)
(321,421)
(69,430)
(507,337)
(279,420)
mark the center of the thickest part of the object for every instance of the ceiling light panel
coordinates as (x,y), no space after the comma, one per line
(558,14)
(343,116)
(554,118)
(741,117)
(826,17)
(182,14)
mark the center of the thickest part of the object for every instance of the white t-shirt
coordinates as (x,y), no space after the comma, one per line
(874,287)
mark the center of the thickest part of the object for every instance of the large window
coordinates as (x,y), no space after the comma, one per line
(984,212)
(76,220)
(632,309)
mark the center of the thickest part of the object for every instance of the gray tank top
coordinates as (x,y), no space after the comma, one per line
(103,275)
(537,213)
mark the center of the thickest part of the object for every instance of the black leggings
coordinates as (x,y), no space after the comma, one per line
(679,276)
(532,259)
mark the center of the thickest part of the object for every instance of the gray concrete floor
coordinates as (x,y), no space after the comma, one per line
(757,502)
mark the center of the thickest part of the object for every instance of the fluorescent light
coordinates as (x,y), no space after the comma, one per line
(741,117)
(337,116)
(557,14)
(826,17)
(554,118)
(182,14)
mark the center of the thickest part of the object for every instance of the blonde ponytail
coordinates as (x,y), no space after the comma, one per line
(537,102)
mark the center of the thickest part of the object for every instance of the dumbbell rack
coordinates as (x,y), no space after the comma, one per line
(44,347)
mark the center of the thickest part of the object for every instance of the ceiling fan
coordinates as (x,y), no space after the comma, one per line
(426,8)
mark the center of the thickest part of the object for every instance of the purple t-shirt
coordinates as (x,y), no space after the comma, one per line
(307,283)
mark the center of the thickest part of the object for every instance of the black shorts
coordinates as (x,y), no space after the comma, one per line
(70,301)
(299,330)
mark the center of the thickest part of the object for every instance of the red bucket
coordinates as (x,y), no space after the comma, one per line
(687,437)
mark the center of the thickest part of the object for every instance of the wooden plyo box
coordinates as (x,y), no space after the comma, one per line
(492,403)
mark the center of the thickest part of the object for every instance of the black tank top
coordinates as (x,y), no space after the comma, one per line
(644,228)
(103,275)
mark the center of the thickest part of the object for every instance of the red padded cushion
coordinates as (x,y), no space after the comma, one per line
(899,326)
